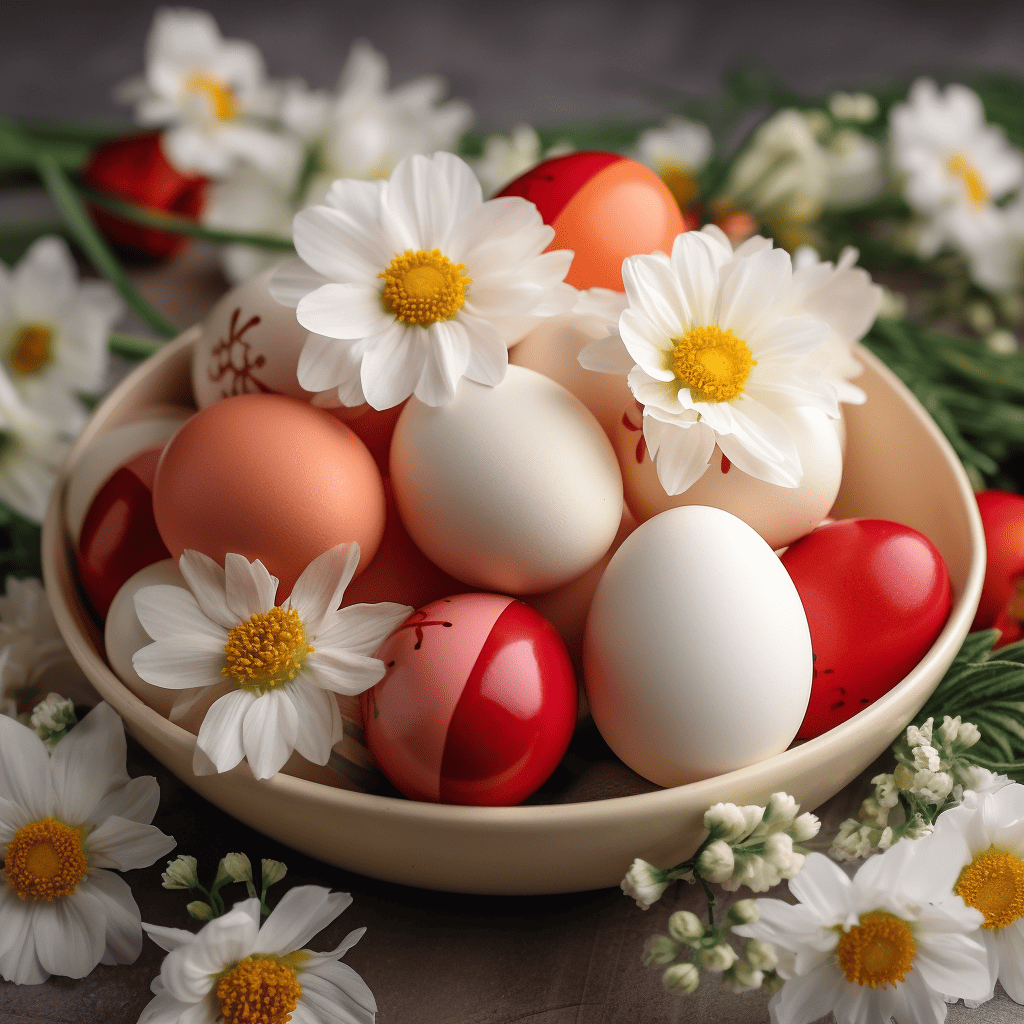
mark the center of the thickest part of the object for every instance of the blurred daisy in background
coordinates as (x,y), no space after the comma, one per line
(506,157)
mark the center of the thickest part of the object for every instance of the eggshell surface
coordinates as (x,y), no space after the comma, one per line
(697,654)
(513,488)
(268,477)
(779,514)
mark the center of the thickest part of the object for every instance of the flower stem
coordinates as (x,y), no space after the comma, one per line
(131,346)
(63,193)
(709,894)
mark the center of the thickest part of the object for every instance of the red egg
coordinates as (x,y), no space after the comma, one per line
(604,207)
(1002,594)
(478,704)
(119,534)
(876,595)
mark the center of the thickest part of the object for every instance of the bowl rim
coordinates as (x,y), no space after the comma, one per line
(875,718)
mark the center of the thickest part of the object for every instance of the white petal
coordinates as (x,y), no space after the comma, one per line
(321,586)
(344,311)
(125,845)
(302,913)
(681,452)
(124,922)
(320,725)
(338,994)
(752,289)
(812,996)
(488,354)
(696,260)
(18,960)
(88,764)
(327,363)
(70,933)
(138,800)
(761,445)
(292,280)
(391,369)
(168,938)
(24,769)
(166,612)
(823,885)
(447,355)
(163,1008)
(269,730)
(607,355)
(342,672)
(250,589)
(344,241)
(220,735)
(206,580)
(362,628)
(168,663)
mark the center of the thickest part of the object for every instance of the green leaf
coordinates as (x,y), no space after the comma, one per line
(70,205)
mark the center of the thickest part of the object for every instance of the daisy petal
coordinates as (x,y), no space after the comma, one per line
(168,663)
(137,800)
(124,922)
(206,580)
(88,764)
(447,355)
(344,311)
(292,280)
(321,586)
(124,845)
(342,671)
(320,725)
(391,369)
(24,769)
(607,355)
(220,735)
(339,994)
(302,913)
(18,960)
(362,628)
(70,933)
(168,611)
(249,588)
(269,731)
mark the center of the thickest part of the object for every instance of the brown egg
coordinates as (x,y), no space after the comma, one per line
(268,477)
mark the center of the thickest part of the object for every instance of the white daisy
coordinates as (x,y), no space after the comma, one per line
(54,330)
(32,449)
(983,838)
(212,96)
(676,151)
(364,129)
(234,970)
(720,358)
(886,943)
(66,817)
(411,284)
(506,157)
(273,669)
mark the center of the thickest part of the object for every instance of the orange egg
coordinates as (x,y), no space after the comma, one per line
(268,477)
(604,207)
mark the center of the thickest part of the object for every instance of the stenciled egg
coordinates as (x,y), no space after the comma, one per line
(779,514)
(268,477)
(478,703)
(119,535)
(604,207)
(513,488)
(876,595)
(109,452)
(697,655)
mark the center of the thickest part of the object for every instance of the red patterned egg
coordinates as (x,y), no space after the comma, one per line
(876,595)
(478,704)
(604,207)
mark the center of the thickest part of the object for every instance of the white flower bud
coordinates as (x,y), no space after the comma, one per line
(52,718)
(181,873)
(645,883)
(967,735)
(887,793)
(743,912)
(237,867)
(684,926)
(660,949)
(273,872)
(948,730)
(781,811)
(716,861)
(200,911)
(855,106)
(873,813)
(1002,342)
(681,978)
(778,850)
(753,871)
(771,984)
(853,841)
(761,955)
(805,827)
(903,777)
(729,822)
(885,839)
(919,737)
(718,958)
(741,977)
(927,759)
(932,787)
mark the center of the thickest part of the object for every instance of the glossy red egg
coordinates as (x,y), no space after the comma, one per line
(478,704)
(119,535)
(604,207)
(876,595)
(1002,594)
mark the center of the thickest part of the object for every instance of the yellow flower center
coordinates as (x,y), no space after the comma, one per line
(268,651)
(877,952)
(260,990)
(714,364)
(423,288)
(220,96)
(994,884)
(960,167)
(681,183)
(31,348)
(45,860)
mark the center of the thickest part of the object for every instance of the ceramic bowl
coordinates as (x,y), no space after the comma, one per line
(898,466)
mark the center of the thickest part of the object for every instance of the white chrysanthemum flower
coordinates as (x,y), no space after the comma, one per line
(364,130)
(983,839)
(886,943)
(676,151)
(273,669)
(506,157)
(212,97)
(66,817)
(411,284)
(234,970)
(720,358)
(32,449)
(54,330)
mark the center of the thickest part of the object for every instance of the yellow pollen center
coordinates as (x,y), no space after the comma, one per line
(714,364)
(877,952)
(681,183)
(958,165)
(45,860)
(994,884)
(259,990)
(423,288)
(268,651)
(31,348)
(220,96)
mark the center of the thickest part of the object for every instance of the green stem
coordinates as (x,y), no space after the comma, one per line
(183,226)
(131,346)
(63,193)
(709,894)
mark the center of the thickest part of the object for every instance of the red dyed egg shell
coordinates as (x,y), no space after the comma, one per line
(1002,595)
(478,704)
(876,595)
(119,535)
(604,207)
(268,477)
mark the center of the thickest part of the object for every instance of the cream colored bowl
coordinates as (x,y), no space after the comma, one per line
(898,466)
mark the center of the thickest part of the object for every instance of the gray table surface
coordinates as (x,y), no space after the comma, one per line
(433,958)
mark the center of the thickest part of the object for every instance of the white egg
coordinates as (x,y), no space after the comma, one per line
(780,515)
(697,655)
(513,488)
(108,453)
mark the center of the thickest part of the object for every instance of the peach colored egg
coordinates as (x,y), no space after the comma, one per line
(779,514)
(268,477)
